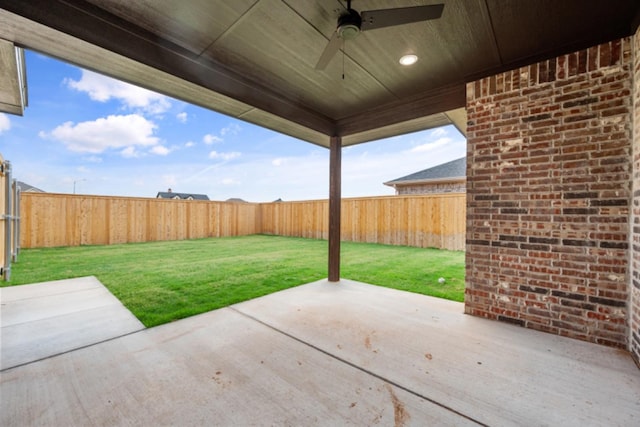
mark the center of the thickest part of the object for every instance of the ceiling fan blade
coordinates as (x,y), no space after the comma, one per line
(372,19)
(332,48)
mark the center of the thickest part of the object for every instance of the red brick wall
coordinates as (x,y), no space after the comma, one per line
(439,188)
(548,190)
(634,288)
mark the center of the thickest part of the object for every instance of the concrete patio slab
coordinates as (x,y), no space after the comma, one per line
(220,368)
(329,354)
(45,319)
(497,373)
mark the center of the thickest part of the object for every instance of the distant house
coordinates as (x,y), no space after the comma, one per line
(26,188)
(180,196)
(447,177)
(235,200)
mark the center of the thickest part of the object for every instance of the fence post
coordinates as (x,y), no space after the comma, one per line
(2,219)
(335,201)
(16,221)
(6,269)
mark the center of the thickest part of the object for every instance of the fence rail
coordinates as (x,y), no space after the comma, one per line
(70,220)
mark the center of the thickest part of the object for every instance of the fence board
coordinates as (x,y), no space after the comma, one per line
(72,220)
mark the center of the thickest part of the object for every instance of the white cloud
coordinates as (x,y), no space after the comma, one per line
(224,156)
(302,174)
(189,144)
(5,123)
(93,159)
(160,150)
(112,132)
(182,117)
(366,167)
(210,139)
(231,129)
(129,152)
(169,180)
(438,132)
(429,146)
(102,88)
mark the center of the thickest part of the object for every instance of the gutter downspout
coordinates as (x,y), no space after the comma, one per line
(6,271)
(16,220)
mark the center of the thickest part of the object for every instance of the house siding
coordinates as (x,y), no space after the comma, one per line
(548,191)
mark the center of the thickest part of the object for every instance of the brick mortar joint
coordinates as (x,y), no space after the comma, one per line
(633,313)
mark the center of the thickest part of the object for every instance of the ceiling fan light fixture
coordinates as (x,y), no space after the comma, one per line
(407,60)
(349,25)
(348,31)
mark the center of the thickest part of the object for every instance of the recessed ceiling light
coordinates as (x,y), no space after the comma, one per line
(409,59)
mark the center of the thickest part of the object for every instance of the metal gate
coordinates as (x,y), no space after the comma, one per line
(9,219)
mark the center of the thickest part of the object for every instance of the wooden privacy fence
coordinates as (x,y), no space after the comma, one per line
(71,220)
(416,220)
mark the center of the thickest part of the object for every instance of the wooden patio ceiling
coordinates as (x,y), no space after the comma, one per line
(254,59)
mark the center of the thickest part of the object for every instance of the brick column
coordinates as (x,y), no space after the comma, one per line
(548,190)
(634,288)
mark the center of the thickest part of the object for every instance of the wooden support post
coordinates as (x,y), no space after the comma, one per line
(335,199)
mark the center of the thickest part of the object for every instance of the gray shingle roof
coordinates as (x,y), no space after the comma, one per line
(183,196)
(450,170)
(24,187)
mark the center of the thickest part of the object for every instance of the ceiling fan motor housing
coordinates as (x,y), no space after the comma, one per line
(349,24)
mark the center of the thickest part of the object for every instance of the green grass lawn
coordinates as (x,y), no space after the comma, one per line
(165,281)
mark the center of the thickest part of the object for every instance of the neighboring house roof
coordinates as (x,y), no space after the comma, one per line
(26,188)
(450,171)
(181,196)
(236,200)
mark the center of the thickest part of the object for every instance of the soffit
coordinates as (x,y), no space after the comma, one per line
(254,59)
(13,96)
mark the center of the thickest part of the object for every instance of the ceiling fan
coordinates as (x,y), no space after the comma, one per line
(351,23)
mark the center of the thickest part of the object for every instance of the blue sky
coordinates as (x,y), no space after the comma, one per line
(111,138)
